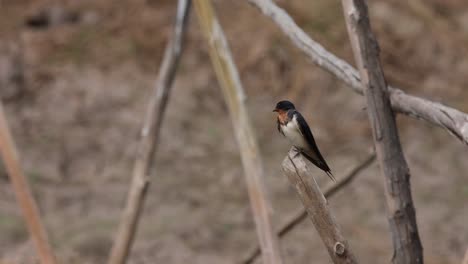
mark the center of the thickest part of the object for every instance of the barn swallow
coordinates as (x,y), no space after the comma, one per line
(293,126)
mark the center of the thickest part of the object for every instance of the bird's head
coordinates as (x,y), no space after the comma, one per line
(284,106)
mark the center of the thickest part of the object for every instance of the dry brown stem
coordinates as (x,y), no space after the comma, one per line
(23,193)
(235,98)
(149,139)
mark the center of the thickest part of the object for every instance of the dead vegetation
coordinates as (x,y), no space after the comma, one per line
(85,87)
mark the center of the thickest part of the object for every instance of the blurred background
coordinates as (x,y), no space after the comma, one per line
(75,79)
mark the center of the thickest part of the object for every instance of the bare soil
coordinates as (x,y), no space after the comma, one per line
(76,91)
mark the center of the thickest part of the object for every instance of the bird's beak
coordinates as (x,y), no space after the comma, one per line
(276,110)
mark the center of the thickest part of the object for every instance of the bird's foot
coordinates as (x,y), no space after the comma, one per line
(296,152)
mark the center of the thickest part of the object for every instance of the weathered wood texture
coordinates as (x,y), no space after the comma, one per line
(149,139)
(401,214)
(235,98)
(23,193)
(317,208)
(301,215)
(452,120)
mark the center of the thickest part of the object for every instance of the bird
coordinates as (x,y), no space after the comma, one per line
(293,126)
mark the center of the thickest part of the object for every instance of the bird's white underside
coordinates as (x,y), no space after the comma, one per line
(292,132)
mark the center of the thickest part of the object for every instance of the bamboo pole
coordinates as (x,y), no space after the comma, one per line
(149,139)
(235,98)
(23,193)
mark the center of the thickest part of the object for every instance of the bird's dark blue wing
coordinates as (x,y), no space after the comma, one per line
(313,154)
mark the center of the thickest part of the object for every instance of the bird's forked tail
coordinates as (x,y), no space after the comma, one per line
(331,175)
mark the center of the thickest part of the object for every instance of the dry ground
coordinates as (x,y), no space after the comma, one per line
(76,94)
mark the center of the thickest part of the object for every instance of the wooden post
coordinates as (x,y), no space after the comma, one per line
(317,208)
(401,214)
(23,193)
(149,139)
(233,92)
(301,215)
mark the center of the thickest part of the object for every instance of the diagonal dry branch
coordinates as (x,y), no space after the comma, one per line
(235,98)
(23,193)
(301,215)
(452,120)
(295,168)
(149,138)
(400,210)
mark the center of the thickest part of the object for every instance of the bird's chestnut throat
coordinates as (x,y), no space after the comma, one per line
(283,117)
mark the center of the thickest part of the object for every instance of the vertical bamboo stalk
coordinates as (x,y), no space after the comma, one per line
(235,98)
(23,192)
(400,210)
(149,139)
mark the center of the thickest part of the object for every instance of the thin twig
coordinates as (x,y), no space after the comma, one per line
(235,98)
(295,168)
(453,121)
(149,138)
(400,209)
(301,215)
(23,193)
